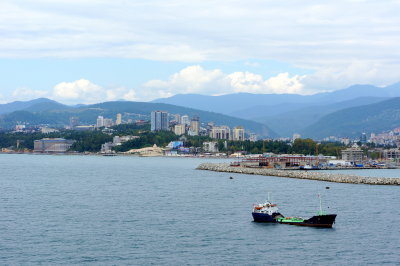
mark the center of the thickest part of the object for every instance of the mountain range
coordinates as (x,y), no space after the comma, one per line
(347,112)
(49,112)
(287,114)
(351,122)
(242,103)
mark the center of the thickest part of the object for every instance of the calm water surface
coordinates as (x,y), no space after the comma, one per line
(129,210)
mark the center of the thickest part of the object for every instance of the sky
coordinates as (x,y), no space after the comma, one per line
(87,51)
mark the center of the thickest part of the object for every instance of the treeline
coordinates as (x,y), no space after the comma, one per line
(85,141)
(90,141)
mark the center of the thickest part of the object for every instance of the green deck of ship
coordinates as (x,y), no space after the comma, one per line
(290,220)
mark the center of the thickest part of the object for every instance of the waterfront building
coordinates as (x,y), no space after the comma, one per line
(185,120)
(238,133)
(159,121)
(353,154)
(100,121)
(210,146)
(391,154)
(175,145)
(107,147)
(179,129)
(119,119)
(220,132)
(50,145)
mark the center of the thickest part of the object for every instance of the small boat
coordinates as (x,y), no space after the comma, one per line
(265,212)
(309,167)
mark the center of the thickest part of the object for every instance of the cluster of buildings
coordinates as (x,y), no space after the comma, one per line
(390,138)
(184,125)
(387,138)
(101,122)
(352,157)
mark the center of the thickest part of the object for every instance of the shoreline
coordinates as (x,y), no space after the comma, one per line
(310,175)
(112,155)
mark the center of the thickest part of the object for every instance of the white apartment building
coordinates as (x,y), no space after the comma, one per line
(180,129)
(238,133)
(220,132)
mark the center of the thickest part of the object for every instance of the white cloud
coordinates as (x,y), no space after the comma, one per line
(2,99)
(293,31)
(328,37)
(195,79)
(23,94)
(84,91)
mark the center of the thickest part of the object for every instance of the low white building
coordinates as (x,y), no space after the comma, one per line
(211,146)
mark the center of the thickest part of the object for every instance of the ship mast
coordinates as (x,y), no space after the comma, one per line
(320,203)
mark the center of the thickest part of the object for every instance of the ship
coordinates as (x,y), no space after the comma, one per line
(266,212)
(322,219)
(319,220)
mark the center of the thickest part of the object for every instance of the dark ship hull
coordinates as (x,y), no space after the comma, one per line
(265,218)
(325,221)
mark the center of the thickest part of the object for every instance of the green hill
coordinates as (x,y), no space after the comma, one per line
(351,122)
(134,110)
(299,119)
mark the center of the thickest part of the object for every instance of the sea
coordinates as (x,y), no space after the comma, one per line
(126,210)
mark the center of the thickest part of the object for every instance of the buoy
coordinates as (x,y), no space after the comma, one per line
(327,187)
(230,177)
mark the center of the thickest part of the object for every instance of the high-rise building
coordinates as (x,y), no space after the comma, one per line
(119,119)
(185,120)
(178,118)
(108,122)
(100,121)
(238,133)
(179,129)
(73,122)
(363,138)
(159,121)
(195,126)
(220,132)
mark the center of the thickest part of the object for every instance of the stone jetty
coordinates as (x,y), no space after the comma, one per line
(312,175)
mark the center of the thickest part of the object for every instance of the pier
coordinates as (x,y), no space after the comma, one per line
(311,175)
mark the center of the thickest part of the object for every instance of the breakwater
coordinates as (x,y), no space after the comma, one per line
(312,175)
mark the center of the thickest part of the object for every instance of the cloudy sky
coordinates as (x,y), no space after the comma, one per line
(85,51)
